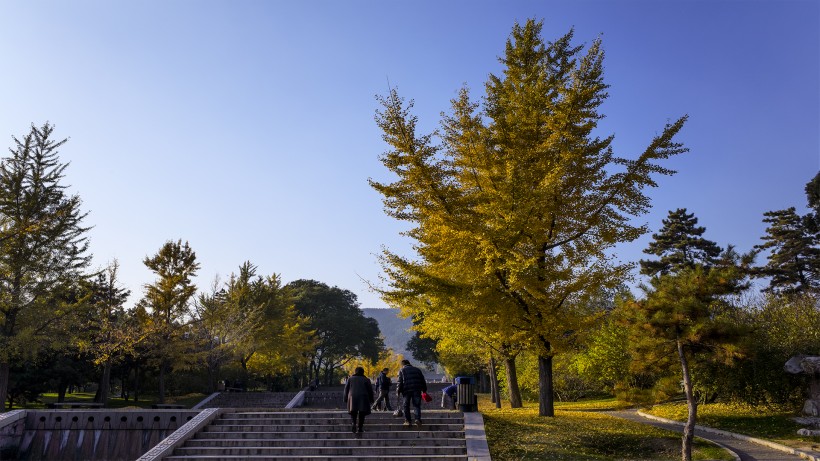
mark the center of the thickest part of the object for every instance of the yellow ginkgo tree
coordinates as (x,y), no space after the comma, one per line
(516,203)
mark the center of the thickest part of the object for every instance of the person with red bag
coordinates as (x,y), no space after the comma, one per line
(411,385)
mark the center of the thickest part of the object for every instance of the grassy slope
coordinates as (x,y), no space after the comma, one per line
(770,424)
(579,433)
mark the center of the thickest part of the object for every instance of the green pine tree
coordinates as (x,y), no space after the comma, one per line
(689,314)
(43,248)
(793,262)
(813,197)
(678,245)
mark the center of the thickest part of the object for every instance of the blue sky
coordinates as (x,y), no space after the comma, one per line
(246,127)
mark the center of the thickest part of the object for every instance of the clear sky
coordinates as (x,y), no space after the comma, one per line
(246,127)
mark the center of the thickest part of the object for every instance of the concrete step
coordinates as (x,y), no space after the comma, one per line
(249,414)
(312,451)
(359,457)
(367,439)
(341,427)
(431,419)
(408,433)
(326,435)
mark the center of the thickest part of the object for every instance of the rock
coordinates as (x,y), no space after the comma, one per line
(798,364)
(807,421)
(793,365)
(808,432)
(811,408)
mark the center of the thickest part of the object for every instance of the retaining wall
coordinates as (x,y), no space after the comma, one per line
(68,435)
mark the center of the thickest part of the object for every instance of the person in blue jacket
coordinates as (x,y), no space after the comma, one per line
(449,392)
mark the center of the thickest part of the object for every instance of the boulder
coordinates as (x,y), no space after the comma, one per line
(811,408)
(798,364)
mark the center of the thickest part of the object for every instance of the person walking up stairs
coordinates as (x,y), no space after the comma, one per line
(411,385)
(383,386)
(358,394)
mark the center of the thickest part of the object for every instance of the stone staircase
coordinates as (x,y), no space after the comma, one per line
(250,400)
(325,435)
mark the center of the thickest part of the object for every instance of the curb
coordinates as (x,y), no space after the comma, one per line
(177,438)
(207,399)
(772,445)
(477,448)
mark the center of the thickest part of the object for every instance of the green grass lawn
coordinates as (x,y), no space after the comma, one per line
(577,432)
(761,422)
(188,400)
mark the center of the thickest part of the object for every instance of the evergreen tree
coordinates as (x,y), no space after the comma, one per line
(679,244)
(793,241)
(515,210)
(43,248)
(793,262)
(813,197)
(689,313)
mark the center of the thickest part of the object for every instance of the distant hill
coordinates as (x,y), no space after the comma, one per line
(396,331)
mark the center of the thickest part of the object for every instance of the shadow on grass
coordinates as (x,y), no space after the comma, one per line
(580,434)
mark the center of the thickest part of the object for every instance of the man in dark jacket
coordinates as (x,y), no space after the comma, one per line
(383,386)
(411,385)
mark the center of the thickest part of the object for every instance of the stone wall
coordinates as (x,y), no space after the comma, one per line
(68,435)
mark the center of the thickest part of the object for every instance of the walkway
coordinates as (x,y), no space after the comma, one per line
(746,450)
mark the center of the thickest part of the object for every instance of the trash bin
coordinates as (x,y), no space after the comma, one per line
(465,393)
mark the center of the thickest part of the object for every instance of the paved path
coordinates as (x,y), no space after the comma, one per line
(748,451)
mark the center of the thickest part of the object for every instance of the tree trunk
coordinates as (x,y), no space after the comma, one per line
(491,368)
(213,375)
(162,382)
(124,383)
(136,383)
(105,384)
(496,396)
(62,388)
(692,405)
(4,385)
(546,395)
(313,371)
(328,374)
(512,382)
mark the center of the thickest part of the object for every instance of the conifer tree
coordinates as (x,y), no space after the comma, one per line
(43,248)
(689,314)
(679,244)
(813,198)
(793,241)
(516,207)
(687,311)
(794,261)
